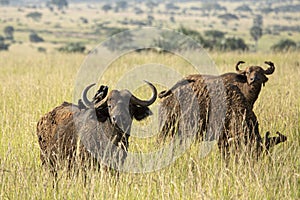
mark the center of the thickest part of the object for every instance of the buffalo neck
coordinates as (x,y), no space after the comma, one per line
(251,92)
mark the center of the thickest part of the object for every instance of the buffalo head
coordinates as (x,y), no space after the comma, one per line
(256,75)
(120,107)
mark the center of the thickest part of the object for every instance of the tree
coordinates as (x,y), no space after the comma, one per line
(3,46)
(73,47)
(34,15)
(258,21)
(122,5)
(228,17)
(150,5)
(256,33)
(106,7)
(4,2)
(171,6)
(33,37)
(172,19)
(9,32)
(195,35)
(243,8)
(214,34)
(232,44)
(284,45)
(150,20)
(61,4)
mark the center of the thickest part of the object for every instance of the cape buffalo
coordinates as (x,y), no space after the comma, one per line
(96,129)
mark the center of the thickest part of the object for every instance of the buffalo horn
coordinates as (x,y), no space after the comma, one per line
(237,66)
(84,96)
(140,102)
(271,69)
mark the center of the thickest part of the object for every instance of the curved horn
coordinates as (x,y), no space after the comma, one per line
(102,103)
(271,69)
(237,66)
(137,101)
(84,97)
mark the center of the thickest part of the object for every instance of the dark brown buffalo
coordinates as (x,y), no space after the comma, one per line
(96,129)
(218,108)
(248,81)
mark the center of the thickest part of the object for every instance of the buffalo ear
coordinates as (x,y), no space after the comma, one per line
(140,113)
(242,72)
(241,78)
(102,114)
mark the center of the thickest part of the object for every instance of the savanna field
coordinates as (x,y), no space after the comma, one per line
(36,77)
(33,85)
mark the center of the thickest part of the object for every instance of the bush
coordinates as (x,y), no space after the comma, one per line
(214,34)
(284,45)
(4,2)
(73,47)
(34,15)
(191,33)
(33,37)
(232,44)
(41,49)
(213,6)
(3,46)
(9,32)
(228,17)
(84,20)
(243,8)
(106,7)
(60,4)
(171,6)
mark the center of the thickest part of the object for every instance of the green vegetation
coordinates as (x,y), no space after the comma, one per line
(285,45)
(60,4)
(35,15)
(9,32)
(34,37)
(3,45)
(72,48)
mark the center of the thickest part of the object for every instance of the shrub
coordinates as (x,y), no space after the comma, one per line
(41,49)
(9,32)
(243,8)
(33,37)
(4,2)
(284,45)
(214,34)
(84,20)
(213,6)
(3,46)
(34,15)
(73,47)
(106,7)
(171,6)
(60,4)
(232,44)
(228,17)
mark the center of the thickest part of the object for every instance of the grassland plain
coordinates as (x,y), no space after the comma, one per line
(58,28)
(33,83)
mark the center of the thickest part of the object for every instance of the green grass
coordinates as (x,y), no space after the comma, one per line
(33,83)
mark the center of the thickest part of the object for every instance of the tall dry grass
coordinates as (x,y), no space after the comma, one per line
(33,84)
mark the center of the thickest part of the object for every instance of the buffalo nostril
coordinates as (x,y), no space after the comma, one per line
(114,120)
